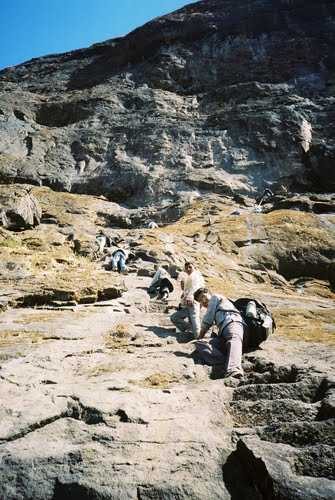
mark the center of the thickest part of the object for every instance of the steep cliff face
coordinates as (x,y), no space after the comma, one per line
(220,96)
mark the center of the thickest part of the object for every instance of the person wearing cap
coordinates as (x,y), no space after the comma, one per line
(187,317)
(226,347)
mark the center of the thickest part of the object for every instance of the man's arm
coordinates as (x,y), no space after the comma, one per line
(204,330)
(209,317)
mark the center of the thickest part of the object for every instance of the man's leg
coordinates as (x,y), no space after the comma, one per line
(101,243)
(194,316)
(152,291)
(115,260)
(122,263)
(232,337)
(178,319)
(164,293)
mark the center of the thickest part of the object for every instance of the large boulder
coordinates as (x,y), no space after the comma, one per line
(19,209)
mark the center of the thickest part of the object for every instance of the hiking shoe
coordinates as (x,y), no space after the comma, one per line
(236,373)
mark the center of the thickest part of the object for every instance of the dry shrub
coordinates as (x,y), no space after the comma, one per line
(157,380)
(117,337)
(100,369)
(121,331)
(13,337)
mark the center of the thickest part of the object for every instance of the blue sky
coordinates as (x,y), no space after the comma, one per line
(33,28)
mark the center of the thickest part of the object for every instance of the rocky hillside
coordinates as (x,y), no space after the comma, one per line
(184,121)
(221,96)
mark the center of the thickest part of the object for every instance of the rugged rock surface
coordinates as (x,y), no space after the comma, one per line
(138,118)
(19,208)
(91,380)
(99,397)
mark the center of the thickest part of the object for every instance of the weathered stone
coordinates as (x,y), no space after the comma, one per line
(19,208)
(95,386)
(266,121)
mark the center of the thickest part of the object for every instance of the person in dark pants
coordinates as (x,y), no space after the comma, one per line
(160,285)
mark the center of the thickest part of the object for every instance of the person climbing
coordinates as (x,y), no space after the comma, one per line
(161,285)
(117,258)
(191,281)
(267,195)
(101,240)
(152,224)
(226,347)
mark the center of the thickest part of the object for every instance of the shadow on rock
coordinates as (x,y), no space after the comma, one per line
(237,481)
(161,332)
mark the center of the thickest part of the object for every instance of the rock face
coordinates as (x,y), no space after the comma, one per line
(219,96)
(19,208)
(181,122)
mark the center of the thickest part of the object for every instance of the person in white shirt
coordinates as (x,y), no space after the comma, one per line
(226,347)
(160,285)
(188,315)
(152,225)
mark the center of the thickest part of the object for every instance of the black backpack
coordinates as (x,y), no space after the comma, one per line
(259,328)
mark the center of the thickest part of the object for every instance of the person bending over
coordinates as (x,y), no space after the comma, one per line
(160,285)
(226,348)
(119,259)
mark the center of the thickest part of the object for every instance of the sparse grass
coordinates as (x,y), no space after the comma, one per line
(10,243)
(117,337)
(309,326)
(27,319)
(159,380)
(100,369)
(13,337)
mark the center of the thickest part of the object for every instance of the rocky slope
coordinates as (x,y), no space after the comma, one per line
(183,122)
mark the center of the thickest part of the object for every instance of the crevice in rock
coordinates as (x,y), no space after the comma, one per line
(34,427)
(87,414)
(61,114)
(75,409)
(125,418)
(263,372)
(19,115)
(29,145)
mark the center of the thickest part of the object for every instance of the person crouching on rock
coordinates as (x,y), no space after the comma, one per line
(188,308)
(226,347)
(119,258)
(160,286)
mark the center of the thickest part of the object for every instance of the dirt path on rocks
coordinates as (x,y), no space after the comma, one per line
(105,402)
